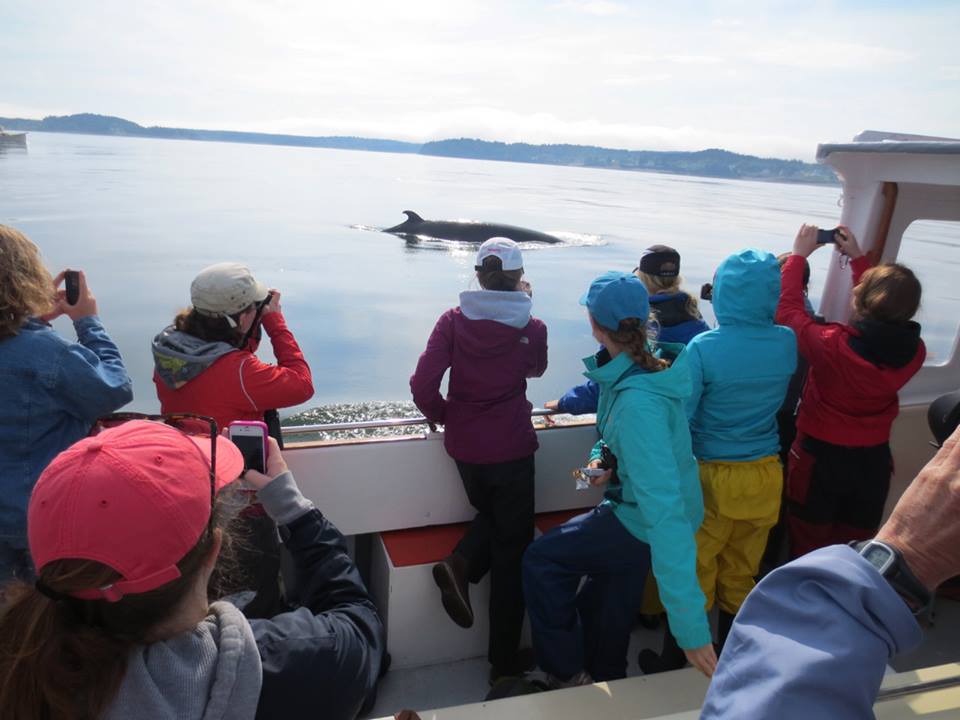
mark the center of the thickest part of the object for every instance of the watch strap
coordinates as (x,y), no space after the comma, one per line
(900,577)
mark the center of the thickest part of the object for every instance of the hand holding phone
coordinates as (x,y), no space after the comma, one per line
(251,437)
(706,292)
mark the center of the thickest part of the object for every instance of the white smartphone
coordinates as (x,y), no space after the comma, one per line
(251,437)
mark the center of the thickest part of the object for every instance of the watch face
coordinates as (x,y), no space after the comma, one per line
(878,556)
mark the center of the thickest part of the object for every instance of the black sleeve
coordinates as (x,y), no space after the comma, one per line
(322,659)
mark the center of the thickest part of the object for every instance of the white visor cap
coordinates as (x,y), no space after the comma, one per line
(225,289)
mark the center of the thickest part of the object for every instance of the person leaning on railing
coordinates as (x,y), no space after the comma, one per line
(51,389)
(813,638)
(126,527)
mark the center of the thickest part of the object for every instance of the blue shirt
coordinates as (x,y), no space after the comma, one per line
(51,391)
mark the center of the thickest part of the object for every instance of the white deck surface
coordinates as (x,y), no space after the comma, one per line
(465,682)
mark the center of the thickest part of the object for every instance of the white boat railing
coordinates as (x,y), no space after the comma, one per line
(377,424)
(893,693)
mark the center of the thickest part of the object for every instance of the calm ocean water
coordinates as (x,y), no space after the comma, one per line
(141,217)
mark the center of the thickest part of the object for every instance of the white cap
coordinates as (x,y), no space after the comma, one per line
(225,289)
(504,248)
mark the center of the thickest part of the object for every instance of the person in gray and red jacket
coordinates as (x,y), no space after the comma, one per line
(491,345)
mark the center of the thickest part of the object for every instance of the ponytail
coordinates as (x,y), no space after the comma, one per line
(632,336)
(63,658)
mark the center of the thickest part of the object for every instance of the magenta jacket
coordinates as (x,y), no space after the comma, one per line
(491,345)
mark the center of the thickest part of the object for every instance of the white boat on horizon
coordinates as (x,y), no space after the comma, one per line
(12,139)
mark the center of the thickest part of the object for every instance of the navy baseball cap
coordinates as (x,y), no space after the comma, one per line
(614,296)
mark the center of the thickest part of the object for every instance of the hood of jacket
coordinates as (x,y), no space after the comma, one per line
(672,308)
(178,357)
(746,289)
(510,307)
(212,672)
(497,320)
(886,344)
(622,373)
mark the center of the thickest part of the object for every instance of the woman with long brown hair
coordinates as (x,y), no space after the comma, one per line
(51,389)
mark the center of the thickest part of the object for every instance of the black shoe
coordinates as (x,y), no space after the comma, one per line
(671,658)
(523,662)
(650,622)
(450,575)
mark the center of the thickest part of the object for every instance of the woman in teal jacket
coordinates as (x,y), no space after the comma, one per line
(652,508)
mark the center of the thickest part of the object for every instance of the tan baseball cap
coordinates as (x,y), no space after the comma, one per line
(225,289)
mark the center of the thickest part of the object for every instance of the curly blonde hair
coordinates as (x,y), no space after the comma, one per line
(26,288)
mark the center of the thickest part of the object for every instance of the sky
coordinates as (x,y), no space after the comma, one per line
(766,78)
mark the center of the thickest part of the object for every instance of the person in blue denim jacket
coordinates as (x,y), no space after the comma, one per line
(51,389)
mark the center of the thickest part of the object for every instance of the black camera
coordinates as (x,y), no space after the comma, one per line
(825,237)
(706,292)
(608,461)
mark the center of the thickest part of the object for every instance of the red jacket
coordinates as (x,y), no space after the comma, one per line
(238,386)
(848,400)
(486,414)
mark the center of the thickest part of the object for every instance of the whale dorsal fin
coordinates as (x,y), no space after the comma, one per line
(412,216)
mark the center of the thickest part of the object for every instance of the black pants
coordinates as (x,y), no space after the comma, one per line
(502,493)
(835,494)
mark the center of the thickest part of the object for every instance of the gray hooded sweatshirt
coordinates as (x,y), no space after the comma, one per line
(210,673)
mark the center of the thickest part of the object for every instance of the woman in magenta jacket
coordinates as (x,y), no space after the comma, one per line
(491,345)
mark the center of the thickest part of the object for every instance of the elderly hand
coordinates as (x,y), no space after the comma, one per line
(923,525)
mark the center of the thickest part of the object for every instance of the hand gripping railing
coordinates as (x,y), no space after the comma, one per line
(291,430)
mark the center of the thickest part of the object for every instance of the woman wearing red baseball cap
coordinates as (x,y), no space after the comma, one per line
(125,528)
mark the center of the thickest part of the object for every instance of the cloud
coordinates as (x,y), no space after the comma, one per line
(728,23)
(823,54)
(600,8)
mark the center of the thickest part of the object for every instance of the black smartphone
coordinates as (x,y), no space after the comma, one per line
(825,237)
(706,292)
(71,280)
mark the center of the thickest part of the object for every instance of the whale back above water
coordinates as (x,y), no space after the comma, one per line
(465,230)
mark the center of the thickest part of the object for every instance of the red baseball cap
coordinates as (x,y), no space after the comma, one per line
(135,498)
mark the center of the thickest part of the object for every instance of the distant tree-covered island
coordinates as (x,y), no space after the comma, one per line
(705,163)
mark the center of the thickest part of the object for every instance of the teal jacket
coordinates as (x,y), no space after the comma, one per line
(641,418)
(740,370)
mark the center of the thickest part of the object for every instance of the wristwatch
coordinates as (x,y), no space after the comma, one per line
(890,564)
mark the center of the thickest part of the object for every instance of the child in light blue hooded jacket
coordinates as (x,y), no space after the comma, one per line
(739,374)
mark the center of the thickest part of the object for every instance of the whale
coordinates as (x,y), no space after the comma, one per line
(469,231)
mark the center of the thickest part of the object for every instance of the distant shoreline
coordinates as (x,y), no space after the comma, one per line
(713,163)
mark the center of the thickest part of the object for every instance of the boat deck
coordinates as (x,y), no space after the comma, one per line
(464,682)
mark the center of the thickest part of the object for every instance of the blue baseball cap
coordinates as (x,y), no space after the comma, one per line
(614,296)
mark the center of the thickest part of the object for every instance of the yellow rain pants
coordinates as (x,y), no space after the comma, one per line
(741,502)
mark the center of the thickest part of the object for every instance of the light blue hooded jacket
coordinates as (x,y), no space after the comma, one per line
(641,418)
(740,370)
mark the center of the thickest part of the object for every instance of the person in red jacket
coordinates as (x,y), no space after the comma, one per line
(840,462)
(491,345)
(205,363)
